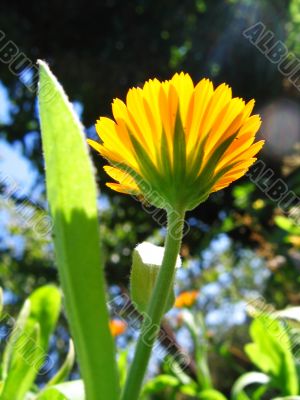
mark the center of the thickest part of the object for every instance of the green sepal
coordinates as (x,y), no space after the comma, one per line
(152,177)
(201,187)
(197,160)
(208,170)
(165,163)
(179,152)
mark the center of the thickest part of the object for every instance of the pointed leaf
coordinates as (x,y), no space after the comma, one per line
(71,190)
(24,365)
(64,371)
(271,352)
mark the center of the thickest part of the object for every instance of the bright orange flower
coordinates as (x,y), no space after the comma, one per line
(117,327)
(186,299)
(174,143)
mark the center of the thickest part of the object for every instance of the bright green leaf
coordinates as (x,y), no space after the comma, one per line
(71,190)
(45,308)
(287,224)
(271,353)
(211,394)
(30,334)
(159,383)
(24,364)
(16,330)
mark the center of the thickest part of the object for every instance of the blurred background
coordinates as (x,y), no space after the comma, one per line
(240,244)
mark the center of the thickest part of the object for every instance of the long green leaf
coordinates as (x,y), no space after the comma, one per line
(17,329)
(72,194)
(26,350)
(24,364)
(45,308)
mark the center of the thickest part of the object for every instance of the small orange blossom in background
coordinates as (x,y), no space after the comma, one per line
(186,299)
(117,327)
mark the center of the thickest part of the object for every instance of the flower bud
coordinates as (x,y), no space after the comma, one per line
(147,260)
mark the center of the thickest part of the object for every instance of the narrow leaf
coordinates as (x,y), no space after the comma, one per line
(45,308)
(24,365)
(17,329)
(72,194)
(64,371)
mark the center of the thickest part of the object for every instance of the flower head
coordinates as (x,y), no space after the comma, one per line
(174,143)
(186,299)
(117,327)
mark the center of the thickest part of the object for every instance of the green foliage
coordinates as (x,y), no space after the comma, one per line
(293,27)
(211,394)
(271,353)
(287,224)
(25,352)
(71,193)
(160,383)
(26,349)
(176,380)
(45,306)
(242,195)
(196,326)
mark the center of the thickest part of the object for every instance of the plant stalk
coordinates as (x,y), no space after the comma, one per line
(157,304)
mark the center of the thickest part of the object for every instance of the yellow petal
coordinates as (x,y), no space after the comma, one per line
(184,87)
(219,99)
(201,98)
(235,173)
(138,117)
(125,183)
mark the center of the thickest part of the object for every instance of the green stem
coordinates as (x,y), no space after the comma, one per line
(203,374)
(155,312)
(197,329)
